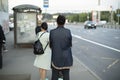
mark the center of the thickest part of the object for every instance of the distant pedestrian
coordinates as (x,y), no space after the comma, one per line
(43,62)
(2,41)
(4,47)
(61,43)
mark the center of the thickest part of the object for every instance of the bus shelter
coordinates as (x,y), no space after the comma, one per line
(25,21)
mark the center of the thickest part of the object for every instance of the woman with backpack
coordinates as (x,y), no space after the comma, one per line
(43,62)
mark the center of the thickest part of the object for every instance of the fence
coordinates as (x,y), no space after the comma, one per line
(113,26)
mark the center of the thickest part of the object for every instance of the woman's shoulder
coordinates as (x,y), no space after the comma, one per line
(47,34)
(44,33)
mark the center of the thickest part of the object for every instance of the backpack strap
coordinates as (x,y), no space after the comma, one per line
(41,35)
(46,46)
(47,43)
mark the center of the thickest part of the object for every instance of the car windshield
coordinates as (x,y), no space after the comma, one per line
(89,22)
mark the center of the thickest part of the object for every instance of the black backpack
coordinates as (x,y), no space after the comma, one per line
(38,48)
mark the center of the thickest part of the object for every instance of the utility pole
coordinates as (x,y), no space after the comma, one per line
(111,14)
(98,10)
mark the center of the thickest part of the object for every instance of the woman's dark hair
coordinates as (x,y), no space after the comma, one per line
(61,20)
(44,26)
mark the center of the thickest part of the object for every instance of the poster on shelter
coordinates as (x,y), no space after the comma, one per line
(26,23)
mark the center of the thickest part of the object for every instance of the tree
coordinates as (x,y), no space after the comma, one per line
(82,17)
(118,17)
(105,15)
(47,16)
(73,17)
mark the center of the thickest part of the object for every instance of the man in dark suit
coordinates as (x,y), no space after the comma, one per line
(37,29)
(61,43)
(2,41)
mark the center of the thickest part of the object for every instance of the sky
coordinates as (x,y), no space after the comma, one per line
(68,5)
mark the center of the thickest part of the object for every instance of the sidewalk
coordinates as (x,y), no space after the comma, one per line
(18,65)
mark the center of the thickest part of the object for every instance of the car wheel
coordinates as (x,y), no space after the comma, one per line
(94,27)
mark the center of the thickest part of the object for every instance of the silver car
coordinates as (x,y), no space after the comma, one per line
(89,24)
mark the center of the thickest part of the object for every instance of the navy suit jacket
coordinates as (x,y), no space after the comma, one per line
(61,43)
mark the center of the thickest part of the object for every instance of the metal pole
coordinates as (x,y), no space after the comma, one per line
(88,16)
(117,11)
(111,14)
(118,16)
(98,2)
(45,14)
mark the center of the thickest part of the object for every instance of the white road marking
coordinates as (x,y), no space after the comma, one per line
(79,37)
(104,70)
(87,68)
(112,64)
(116,37)
(107,58)
(104,58)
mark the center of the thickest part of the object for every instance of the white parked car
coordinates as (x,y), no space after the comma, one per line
(101,23)
(11,26)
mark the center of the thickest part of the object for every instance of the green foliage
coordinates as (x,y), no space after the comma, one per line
(47,16)
(73,18)
(116,17)
(82,17)
(105,15)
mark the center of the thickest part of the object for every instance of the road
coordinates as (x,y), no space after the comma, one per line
(98,50)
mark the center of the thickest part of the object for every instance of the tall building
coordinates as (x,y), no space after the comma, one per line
(4,15)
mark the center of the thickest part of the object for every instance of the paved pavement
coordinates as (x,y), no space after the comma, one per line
(18,65)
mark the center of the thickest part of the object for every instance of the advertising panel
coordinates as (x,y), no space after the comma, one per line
(26,23)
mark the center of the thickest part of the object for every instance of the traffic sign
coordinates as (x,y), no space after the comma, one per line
(46,3)
(118,15)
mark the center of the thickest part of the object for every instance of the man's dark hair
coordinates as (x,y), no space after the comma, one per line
(44,26)
(61,20)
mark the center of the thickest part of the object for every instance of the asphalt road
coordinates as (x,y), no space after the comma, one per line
(98,50)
